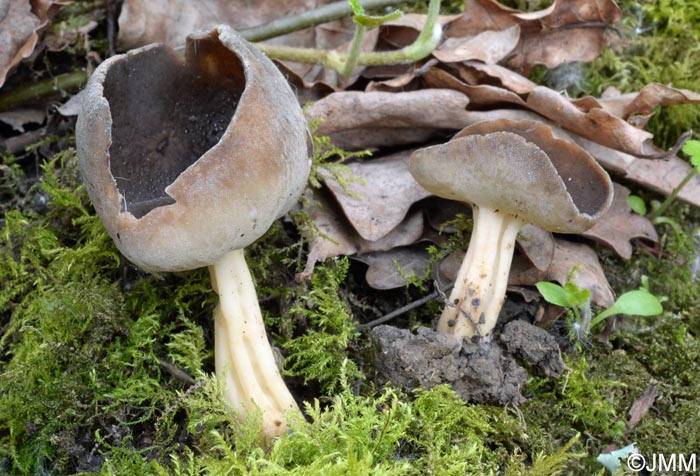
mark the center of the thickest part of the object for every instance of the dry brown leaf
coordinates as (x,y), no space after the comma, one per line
(407,81)
(569,30)
(389,269)
(620,225)
(359,120)
(488,46)
(641,406)
(656,94)
(338,237)
(588,272)
(482,15)
(20,22)
(380,198)
(476,73)
(596,124)
(556,47)
(633,106)
(479,95)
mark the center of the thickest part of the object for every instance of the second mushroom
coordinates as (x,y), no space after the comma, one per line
(512,173)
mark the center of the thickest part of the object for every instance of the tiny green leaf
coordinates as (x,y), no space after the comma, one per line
(632,303)
(638,303)
(637,204)
(576,295)
(692,148)
(375,21)
(553,293)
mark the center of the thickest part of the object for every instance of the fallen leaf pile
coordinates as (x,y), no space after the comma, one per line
(478,72)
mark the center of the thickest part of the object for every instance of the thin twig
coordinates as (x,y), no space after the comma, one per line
(41,89)
(408,307)
(176,372)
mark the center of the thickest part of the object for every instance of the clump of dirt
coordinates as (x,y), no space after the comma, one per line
(534,346)
(487,372)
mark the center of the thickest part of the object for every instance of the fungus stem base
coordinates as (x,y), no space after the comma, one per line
(244,358)
(480,288)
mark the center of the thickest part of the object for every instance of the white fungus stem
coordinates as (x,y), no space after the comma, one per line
(244,358)
(480,288)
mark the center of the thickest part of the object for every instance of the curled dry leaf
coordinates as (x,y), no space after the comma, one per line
(474,72)
(596,124)
(479,95)
(620,225)
(556,47)
(641,406)
(360,120)
(649,97)
(568,257)
(338,238)
(389,269)
(380,198)
(488,46)
(569,30)
(20,22)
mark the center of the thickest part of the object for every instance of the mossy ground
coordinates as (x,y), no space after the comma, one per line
(105,370)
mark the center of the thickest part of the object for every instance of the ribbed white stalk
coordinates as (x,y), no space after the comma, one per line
(480,287)
(244,358)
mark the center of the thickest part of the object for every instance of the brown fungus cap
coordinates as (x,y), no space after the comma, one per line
(188,159)
(520,168)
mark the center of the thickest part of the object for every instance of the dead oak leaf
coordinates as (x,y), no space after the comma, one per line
(568,30)
(568,256)
(488,46)
(556,47)
(390,269)
(358,120)
(475,73)
(334,236)
(596,124)
(379,196)
(479,95)
(620,225)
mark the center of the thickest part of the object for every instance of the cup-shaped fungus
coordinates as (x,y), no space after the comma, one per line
(187,161)
(512,173)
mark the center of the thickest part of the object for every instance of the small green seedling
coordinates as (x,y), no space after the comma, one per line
(637,204)
(639,302)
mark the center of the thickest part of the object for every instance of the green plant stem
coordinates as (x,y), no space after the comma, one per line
(41,89)
(671,197)
(325,14)
(424,44)
(355,50)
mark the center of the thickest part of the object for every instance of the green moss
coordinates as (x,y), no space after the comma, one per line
(320,352)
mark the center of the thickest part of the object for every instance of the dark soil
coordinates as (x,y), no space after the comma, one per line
(487,372)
